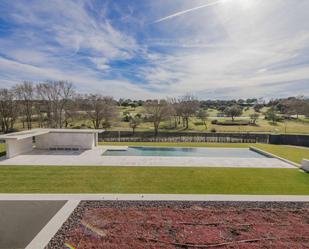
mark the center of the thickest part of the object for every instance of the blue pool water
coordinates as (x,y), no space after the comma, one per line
(183,152)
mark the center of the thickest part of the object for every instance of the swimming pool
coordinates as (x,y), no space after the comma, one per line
(185,152)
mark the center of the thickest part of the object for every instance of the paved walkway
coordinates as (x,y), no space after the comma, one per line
(154,197)
(21,220)
(94,158)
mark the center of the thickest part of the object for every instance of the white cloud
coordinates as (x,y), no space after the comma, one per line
(235,44)
(258,39)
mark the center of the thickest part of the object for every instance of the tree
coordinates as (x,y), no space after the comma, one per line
(203,116)
(233,111)
(134,122)
(254,117)
(258,107)
(25,93)
(8,109)
(158,110)
(295,105)
(55,95)
(188,106)
(100,109)
(175,111)
(271,115)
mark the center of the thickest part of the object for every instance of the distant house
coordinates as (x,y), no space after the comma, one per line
(50,139)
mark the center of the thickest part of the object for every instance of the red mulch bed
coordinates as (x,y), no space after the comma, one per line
(196,226)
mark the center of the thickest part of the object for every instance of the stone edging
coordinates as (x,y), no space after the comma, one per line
(265,153)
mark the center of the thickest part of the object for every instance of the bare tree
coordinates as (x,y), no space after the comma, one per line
(40,110)
(175,110)
(8,109)
(100,110)
(56,95)
(188,106)
(295,105)
(25,93)
(158,110)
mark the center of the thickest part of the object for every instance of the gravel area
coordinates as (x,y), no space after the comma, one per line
(177,224)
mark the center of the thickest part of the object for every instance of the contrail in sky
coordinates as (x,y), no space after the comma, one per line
(186,11)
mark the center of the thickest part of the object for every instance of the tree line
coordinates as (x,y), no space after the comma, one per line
(57,104)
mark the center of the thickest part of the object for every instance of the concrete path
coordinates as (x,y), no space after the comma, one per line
(94,158)
(155,197)
(45,235)
(21,220)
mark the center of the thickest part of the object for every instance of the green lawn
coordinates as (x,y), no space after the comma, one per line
(293,154)
(2,149)
(38,179)
(165,180)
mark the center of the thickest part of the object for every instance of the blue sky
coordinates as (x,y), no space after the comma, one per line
(146,49)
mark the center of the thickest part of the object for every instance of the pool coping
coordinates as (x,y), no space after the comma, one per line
(263,152)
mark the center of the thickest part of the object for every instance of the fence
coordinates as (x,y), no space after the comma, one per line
(289,139)
(124,136)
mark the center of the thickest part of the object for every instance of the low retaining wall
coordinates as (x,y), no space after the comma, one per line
(267,154)
(289,139)
(305,165)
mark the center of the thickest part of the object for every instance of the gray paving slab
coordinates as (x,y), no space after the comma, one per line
(155,197)
(20,221)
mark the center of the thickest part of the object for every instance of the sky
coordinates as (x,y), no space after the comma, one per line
(139,49)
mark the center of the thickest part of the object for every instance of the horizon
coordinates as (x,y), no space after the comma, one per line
(212,49)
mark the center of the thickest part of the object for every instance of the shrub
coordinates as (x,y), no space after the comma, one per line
(229,122)
(215,121)
(198,123)
(213,130)
(126,118)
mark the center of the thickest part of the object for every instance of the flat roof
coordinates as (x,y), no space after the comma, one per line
(41,131)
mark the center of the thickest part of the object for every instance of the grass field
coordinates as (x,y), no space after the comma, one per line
(263,126)
(51,179)
(300,126)
(293,154)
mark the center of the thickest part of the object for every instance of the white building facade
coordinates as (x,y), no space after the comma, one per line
(50,139)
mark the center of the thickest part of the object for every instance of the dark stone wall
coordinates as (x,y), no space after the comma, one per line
(299,140)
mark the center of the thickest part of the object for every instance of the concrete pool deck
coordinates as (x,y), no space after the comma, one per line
(94,158)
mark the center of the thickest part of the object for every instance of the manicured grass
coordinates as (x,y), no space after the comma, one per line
(53,179)
(294,154)
(181,144)
(2,149)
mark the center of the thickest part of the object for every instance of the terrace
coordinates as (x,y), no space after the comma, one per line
(235,180)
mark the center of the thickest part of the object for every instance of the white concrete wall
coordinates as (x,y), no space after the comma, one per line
(81,140)
(305,165)
(15,147)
